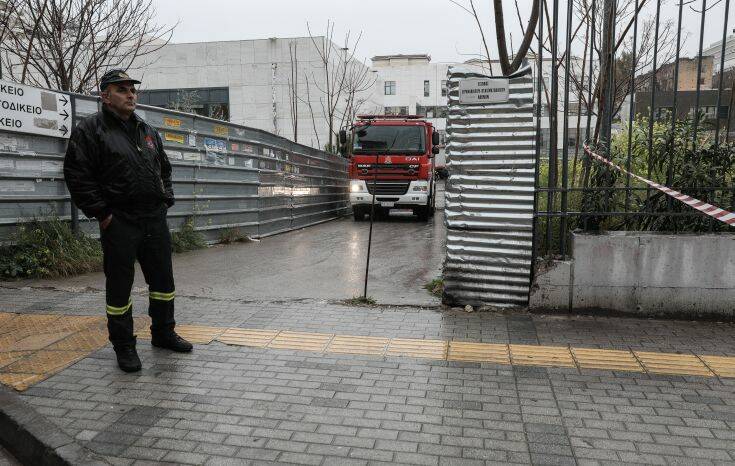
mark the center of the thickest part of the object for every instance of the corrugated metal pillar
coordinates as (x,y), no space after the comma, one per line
(489,196)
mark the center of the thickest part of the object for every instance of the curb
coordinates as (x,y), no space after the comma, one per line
(34,440)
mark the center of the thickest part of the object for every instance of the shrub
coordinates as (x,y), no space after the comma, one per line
(360,301)
(48,249)
(435,287)
(673,162)
(187,238)
(232,235)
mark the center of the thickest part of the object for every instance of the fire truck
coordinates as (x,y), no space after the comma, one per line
(391,164)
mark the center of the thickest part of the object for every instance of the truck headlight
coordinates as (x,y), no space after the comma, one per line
(421,187)
(357,186)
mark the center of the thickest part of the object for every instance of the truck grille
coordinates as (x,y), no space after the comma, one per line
(389,188)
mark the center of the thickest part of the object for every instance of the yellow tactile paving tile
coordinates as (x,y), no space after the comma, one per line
(426,349)
(4,319)
(21,382)
(38,341)
(301,341)
(529,355)
(247,337)
(588,358)
(669,363)
(78,323)
(350,344)
(478,352)
(34,347)
(44,362)
(90,339)
(10,357)
(29,324)
(720,365)
(198,334)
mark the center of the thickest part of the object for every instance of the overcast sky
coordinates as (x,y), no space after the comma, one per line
(436,27)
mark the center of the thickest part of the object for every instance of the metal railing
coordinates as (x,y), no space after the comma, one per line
(225,176)
(613,53)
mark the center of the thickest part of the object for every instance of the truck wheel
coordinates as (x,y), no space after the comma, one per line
(422,213)
(358,213)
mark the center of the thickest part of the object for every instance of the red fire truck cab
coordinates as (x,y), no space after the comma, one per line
(392,159)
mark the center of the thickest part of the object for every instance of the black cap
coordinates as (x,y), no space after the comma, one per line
(116,76)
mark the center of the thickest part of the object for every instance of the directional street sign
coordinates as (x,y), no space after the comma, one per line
(26,109)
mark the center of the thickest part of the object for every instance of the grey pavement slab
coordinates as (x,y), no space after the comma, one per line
(428,322)
(240,404)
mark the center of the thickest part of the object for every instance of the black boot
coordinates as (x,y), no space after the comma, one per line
(162,327)
(120,329)
(127,357)
(171,341)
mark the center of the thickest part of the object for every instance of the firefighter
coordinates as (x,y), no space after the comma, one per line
(117,172)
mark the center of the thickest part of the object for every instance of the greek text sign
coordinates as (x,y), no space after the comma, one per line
(25,109)
(483,91)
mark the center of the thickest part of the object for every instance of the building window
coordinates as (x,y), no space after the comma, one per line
(431,112)
(426,88)
(444,88)
(213,102)
(389,87)
(396,110)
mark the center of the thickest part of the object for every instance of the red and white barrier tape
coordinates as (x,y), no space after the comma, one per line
(708,209)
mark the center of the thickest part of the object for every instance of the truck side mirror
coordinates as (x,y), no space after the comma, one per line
(435,150)
(342,136)
(435,139)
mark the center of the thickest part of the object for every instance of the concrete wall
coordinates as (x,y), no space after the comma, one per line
(646,274)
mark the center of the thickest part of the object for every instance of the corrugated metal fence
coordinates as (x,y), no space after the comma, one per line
(489,196)
(224,175)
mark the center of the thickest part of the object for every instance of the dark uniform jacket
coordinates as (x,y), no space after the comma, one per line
(113,165)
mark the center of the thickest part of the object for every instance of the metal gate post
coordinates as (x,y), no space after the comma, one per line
(491,157)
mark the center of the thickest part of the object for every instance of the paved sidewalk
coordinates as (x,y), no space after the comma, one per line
(230,404)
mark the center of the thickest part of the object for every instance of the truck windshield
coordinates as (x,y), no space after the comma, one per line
(389,139)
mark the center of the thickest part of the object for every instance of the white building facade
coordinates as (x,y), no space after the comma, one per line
(414,85)
(715,50)
(256,83)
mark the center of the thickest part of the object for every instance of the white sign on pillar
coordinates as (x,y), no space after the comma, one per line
(483,91)
(26,109)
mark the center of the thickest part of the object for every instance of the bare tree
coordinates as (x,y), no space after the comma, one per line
(591,100)
(472,11)
(629,61)
(340,81)
(293,88)
(7,14)
(63,44)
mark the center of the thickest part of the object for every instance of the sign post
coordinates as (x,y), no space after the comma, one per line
(25,109)
(483,91)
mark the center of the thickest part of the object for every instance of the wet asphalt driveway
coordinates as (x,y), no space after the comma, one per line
(326,261)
